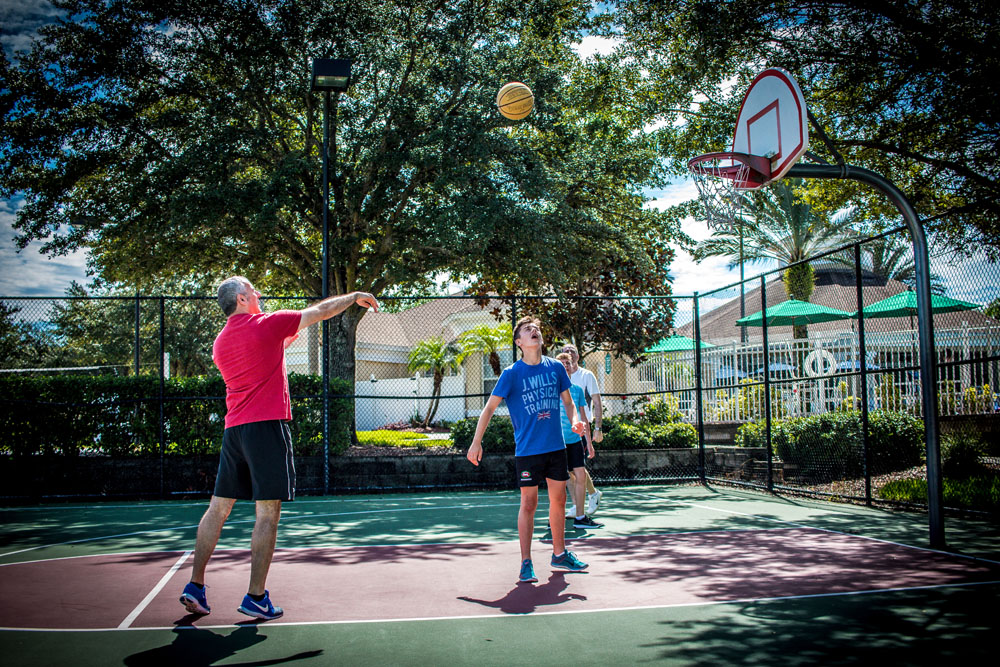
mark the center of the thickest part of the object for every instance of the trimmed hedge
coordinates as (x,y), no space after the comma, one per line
(70,415)
(830,446)
(498,438)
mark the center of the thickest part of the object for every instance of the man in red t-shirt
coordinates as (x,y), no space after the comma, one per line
(256,461)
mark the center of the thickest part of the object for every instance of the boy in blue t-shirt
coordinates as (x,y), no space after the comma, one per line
(534,387)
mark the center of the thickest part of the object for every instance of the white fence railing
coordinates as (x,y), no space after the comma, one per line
(820,374)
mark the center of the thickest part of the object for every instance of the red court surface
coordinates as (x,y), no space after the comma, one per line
(372,583)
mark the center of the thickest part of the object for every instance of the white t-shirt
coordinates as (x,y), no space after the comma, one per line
(586,379)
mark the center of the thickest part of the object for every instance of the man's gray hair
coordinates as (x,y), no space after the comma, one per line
(228,291)
(570,346)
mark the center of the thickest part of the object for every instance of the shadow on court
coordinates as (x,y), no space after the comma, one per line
(202,647)
(936,627)
(526,598)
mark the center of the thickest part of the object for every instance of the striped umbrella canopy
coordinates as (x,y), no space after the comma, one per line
(793,313)
(905,303)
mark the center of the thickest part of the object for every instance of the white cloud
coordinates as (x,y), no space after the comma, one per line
(29,273)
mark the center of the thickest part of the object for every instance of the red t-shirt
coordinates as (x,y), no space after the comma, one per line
(250,354)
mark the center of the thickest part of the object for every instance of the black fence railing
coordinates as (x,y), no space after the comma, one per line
(107,396)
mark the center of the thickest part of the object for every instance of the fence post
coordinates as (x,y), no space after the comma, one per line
(326,407)
(697,389)
(864,376)
(162,418)
(767,385)
(513,321)
(137,341)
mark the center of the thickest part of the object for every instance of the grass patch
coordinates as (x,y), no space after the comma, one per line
(978,492)
(399,439)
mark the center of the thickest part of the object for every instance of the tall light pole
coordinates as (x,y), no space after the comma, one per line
(330,76)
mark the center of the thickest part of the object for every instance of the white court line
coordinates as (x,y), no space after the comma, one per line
(398,545)
(817,528)
(233,522)
(124,625)
(713,603)
(403,497)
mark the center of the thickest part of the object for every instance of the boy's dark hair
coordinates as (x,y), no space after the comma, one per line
(523,321)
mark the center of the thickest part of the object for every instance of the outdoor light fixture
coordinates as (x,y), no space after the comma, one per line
(331,74)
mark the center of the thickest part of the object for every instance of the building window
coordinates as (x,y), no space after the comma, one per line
(489,377)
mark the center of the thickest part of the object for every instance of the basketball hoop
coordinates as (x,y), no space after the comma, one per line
(722,178)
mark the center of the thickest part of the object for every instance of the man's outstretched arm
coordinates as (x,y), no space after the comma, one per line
(333,306)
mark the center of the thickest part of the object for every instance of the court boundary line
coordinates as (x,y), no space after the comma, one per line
(514,540)
(242,521)
(204,503)
(127,621)
(712,603)
(824,530)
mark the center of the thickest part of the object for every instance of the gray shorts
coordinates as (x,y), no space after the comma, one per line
(256,462)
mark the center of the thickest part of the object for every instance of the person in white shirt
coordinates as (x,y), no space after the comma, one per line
(584,378)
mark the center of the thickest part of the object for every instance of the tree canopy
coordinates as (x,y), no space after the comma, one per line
(901,87)
(174,138)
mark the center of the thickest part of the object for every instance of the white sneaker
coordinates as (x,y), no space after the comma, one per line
(571,512)
(592,501)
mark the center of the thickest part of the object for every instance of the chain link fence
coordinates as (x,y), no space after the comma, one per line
(118,396)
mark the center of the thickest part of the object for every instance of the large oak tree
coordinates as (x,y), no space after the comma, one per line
(173,138)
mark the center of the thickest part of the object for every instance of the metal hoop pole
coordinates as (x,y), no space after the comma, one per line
(925,326)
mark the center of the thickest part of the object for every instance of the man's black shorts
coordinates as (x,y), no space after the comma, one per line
(256,462)
(575,454)
(531,470)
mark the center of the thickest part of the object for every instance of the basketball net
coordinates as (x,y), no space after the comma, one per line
(722,183)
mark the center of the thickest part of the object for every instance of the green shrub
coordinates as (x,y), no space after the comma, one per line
(830,446)
(895,441)
(673,436)
(498,438)
(119,416)
(960,454)
(624,435)
(659,412)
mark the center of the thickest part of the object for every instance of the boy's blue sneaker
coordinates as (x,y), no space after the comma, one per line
(263,610)
(195,599)
(527,572)
(567,560)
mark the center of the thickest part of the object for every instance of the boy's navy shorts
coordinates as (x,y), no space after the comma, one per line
(532,469)
(575,454)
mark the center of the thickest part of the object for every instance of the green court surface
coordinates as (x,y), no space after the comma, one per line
(732,577)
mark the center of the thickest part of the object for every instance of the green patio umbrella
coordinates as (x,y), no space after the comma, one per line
(905,304)
(794,313)
(676,343)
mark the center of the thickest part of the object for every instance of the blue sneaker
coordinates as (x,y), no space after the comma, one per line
(527,572)
(263,610)
(567,560)
(195,599)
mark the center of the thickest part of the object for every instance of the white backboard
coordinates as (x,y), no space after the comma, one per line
(773,121)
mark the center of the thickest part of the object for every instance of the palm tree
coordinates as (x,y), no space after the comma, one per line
(488,341)
(783,229)
(892,259)
(438,357)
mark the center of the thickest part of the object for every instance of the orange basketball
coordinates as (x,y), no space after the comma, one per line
(515,100)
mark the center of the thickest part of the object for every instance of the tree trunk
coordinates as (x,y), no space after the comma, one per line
(343,340)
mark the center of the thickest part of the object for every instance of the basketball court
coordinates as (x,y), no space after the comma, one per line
(415,579)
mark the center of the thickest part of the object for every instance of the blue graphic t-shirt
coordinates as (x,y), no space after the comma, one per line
(579,400)
(532,395)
